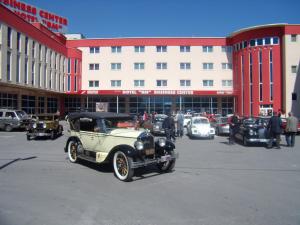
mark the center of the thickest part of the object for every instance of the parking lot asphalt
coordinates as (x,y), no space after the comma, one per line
(213,184)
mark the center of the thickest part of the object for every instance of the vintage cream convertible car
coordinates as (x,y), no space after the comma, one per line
(113,138)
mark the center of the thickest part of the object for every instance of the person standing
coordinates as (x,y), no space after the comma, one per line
(291,129)
(169,126)
(274,127)
(180,119)
(232,128)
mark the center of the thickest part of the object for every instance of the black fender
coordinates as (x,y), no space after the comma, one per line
(170,146)
(70,139)
(127,149)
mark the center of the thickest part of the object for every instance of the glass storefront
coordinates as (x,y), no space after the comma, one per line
(197,104)
(8,101)
(72,104)
(115,104)
(158,104)
(28,104)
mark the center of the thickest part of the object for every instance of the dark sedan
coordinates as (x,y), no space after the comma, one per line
(252,130)
(157,124)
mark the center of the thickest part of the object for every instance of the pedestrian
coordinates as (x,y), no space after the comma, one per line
(274,127)
(169,127)
(145,116)
(180,119)
(291,129)
(233,123)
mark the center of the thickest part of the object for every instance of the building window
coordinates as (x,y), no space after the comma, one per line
(28,104)
(185,83)
(40,52)
(41,105)
(226,66)
(260,76)
(208,83)
(8,101)
(185,66)
(208,66)
(139,83)
(251,81)
(245,44)
(252,42)
(259,41)
(94,66)
(75,83)
(139,48)
(161,66)
(161,83)
(185,48)
(18,68)
(19,42)
(267,41)
(227,83)
(161,48)
(45,76)
(271,75)
(275,40)
(116,49)
(9,37)
(207,48)
(68,82)
(94,50)
(293,37)
(115,83)
(69,66)
(294,96)
(26,45)
(32,73)
(226,49)
(52,105)
(115,66)
(294,69)
(93,83)
(33,49)
(139,66)
(39,75)
(8,71)
(26,71)
(75,66)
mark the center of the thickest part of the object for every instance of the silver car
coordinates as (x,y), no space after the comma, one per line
(221,126)
(11,119)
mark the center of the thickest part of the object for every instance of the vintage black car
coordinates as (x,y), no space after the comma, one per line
(157,124)
(103,137)
(252,130)
(44,126)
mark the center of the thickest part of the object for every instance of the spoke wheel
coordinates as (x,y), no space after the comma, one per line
(122,166)
(72,151)
(167,166)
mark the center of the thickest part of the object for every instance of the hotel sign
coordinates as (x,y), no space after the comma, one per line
(33,14)
(155,92)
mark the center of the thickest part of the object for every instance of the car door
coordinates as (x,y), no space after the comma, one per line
(89,134)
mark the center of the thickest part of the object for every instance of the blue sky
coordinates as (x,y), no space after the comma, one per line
(169,18)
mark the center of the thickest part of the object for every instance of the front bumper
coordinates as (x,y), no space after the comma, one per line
(38,134)
(257,140)
(161,159)
(195,133)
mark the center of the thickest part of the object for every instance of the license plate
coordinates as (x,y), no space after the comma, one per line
(165,158)
(149,151)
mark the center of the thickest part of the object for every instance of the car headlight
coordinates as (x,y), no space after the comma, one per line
(162,142)
(44,125)
(251,132)
(34,125)
(157,127)
(139,145)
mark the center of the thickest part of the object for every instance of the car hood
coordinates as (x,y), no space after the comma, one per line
(129,133)
(202,126)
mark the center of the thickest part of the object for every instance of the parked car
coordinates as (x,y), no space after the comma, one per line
(200,127)
(44,126)
(157,124)
(221,125)
(187,118)
(102,137)
(13,119)
(253,130)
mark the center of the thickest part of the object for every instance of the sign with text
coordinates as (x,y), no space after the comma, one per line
(33,14)
(101,106)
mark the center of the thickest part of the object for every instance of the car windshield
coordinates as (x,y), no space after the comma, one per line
(21,113)
(199,121)
(119,123)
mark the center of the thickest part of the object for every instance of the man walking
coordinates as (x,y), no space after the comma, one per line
(274,127)
(169,126)
(291,130)
(180,119)
(232,128)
